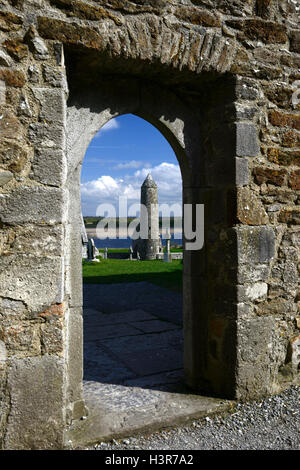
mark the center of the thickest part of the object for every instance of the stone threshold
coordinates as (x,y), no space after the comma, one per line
(157,410)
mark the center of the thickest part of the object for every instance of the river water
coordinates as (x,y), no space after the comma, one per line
(126,243)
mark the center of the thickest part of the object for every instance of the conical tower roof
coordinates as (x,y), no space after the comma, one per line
(149,182)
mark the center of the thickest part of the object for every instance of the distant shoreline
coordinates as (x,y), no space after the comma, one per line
(91,232)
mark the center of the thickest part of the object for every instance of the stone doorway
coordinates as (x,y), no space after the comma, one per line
(187,118)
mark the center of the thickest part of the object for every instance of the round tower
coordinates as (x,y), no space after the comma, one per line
(149,226)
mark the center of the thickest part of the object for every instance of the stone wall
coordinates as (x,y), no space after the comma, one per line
(231,69)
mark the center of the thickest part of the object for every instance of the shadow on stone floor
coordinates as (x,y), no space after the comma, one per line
(133,336)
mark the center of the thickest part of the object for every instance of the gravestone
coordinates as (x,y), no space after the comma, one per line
(92,251)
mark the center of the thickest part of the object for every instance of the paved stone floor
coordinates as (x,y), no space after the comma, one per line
(133,362)
(132,336)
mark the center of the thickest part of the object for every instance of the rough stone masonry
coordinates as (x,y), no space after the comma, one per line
(217,78)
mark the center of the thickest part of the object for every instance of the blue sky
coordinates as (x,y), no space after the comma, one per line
(119,158)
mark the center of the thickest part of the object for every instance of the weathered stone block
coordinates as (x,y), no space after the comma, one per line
(74,266)
(280,119)
(197,16)
(13,155)
(255,244)
(39,240)
(245,113)
(266,56)
(10,21)
(258,29)
(281,96)
(250,209)
(242,171)
(246,90)
(52,104)
(252,273)
(36,418)
(252,292)
(54,76)
(244,310)
(13,309)
(36,281)
(14,78)
(290,216)
(257,356)
(10,126)
(51,28)
(94,13)
(47,135)
(33,204)
(280,195)
(16,48)
(269,175)
(290,60)
(284,157)
(290,272)
(75,352)
(49,167)
(246,140)
(278,306)
(291,238)
(52,339)
(21,338)
(291,139)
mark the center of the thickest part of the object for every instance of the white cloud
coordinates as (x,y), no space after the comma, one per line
(107,189)
(110,125)
(132,164)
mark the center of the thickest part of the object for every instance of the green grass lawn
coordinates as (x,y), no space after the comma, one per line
(111,271)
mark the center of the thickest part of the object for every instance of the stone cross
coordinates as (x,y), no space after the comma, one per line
(167,257)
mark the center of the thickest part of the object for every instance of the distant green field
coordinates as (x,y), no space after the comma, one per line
(111,271)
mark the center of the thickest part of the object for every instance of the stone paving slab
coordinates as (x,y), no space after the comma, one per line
(99,318)
(154,326)
(153,361)
(99,332)
(111,372)
(157,380)
(143,342)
